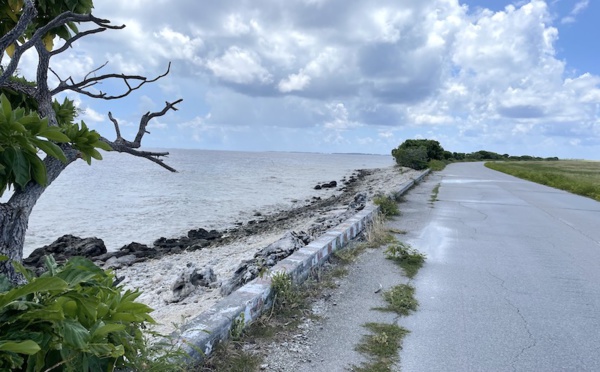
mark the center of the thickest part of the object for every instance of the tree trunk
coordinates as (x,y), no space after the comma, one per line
(14,215)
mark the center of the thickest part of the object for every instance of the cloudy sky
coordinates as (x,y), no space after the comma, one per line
(518,77)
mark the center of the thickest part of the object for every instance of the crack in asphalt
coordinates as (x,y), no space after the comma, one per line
(533,341)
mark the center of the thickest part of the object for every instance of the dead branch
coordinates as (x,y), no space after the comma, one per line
(122,145)
(133,83)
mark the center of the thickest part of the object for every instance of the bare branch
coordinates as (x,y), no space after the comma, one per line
(88,82)
(149,116)
(78,36)
(122,145)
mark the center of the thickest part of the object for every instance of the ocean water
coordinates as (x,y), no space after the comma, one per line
(123,199)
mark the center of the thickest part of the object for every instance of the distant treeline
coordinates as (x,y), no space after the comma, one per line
(424,153)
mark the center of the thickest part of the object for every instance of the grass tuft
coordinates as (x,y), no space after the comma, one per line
(408,258)
(387,206)
(381,347)
(401,300)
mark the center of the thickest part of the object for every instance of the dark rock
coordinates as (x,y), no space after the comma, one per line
(190,279)
(199,244)
(204,234)
(65,247)
(318,187)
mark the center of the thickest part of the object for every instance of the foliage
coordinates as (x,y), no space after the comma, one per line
(408,258)
(11,10)
(381,347)
(401,300)
(387,206)
(436,165)
(414,157)
(71,318)
(433,148)
(578,177)
(286,298)
(23,135)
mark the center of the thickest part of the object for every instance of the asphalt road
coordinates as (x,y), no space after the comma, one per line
(512,279)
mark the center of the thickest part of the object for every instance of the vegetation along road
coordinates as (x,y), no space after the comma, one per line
(512,279)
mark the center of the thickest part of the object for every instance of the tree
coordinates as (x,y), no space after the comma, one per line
(434,149)
(412,157)
(39,136)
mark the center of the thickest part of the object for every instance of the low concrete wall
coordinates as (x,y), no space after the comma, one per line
(202,333)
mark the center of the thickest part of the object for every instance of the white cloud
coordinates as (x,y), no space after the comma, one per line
(240,66)
(578,8)
(352,70)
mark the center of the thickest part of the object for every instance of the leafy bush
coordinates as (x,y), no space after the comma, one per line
(387,206)
(71,318)
(413,157)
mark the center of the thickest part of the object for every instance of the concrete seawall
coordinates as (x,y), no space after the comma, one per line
(200,334)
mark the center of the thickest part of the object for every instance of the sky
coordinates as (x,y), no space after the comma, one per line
(517,77)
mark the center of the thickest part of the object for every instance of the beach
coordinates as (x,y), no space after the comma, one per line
(181,286)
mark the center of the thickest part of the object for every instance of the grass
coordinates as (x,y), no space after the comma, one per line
(381,347)
(436,165)
(400,300)
(434,193)
(387,206)
(575,176)
(408,258)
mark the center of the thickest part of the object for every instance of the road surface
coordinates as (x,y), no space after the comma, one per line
(512,279)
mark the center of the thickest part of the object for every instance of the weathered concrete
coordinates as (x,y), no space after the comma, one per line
(199,336)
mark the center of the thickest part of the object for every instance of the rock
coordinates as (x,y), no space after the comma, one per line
(189,280)
(202,243)
(204,234)
(120,262)
(65,247)
(318,187)
(265,258)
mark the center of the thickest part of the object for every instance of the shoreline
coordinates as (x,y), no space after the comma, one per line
(201,275)
(182,278)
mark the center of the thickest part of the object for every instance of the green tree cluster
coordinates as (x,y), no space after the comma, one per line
(424,153)
(417,153)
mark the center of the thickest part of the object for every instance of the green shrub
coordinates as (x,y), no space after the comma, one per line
(412,157)
(387,206)
(71,318)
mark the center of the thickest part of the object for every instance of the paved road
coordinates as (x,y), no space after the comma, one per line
(512,280)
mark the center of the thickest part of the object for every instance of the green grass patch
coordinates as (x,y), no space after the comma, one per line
(380,347)
(434,193)
(400,300)
(408,258)
(387,206)
(575,176)
(436,165)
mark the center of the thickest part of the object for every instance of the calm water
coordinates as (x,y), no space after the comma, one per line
(123,199)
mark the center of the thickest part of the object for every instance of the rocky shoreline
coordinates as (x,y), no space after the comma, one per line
(94,248)
(182,277)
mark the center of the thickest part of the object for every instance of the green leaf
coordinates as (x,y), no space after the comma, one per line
(50,148)
(6,108)
(37,285)
(108,328)
(19,166)
(38,169)
(75,334)
(52,133)
(25,347)
(103,146)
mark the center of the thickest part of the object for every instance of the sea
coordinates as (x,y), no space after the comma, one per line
(122,198)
